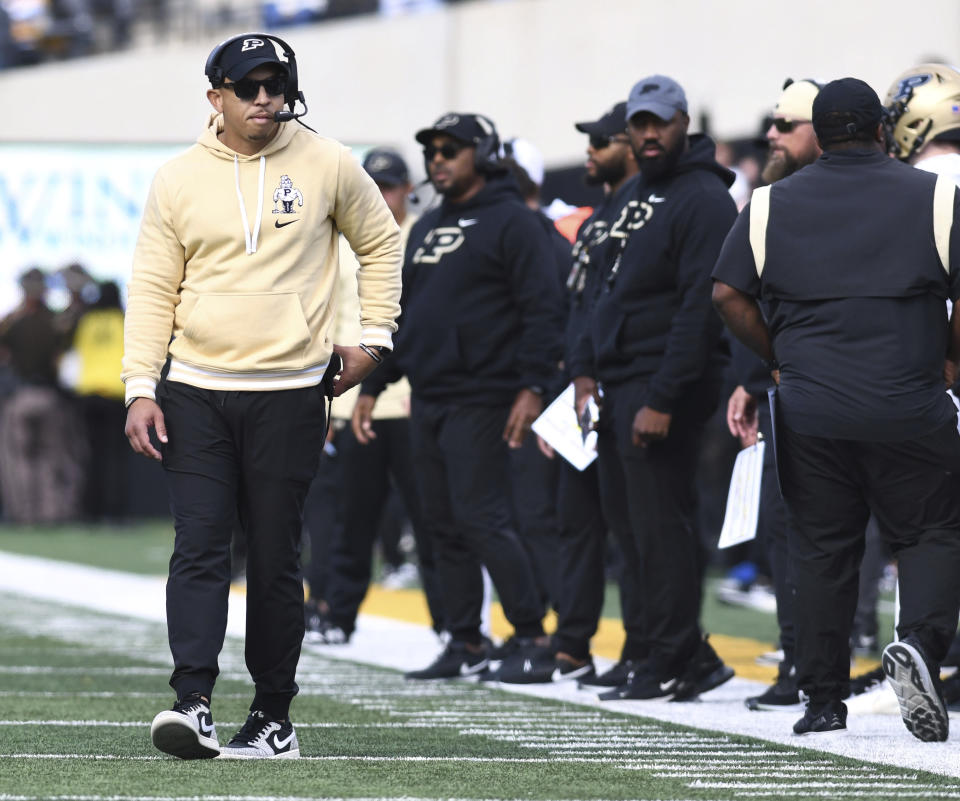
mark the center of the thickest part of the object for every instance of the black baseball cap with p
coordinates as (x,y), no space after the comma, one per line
(466,128)
(386,167)
(246,54)
(610,124)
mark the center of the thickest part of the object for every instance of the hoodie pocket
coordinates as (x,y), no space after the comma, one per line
(246,332)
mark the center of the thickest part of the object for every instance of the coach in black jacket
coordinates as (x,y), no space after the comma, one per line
(653,344)
(480,339)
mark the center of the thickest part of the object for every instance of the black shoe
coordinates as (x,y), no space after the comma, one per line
(187,730)
(917,689)
(783,693)
(456,660)
(528,663)
(950,687)
(566,668)
(262,737)
(704,672)
(613,677)
(506,649)
(321,630)
(643,684)
(867,681)
(822,719)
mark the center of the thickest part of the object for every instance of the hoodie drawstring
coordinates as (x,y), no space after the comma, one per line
(251,239)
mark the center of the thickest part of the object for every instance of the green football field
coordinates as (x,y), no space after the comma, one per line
(79,687)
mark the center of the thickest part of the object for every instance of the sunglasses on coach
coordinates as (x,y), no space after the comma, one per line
(448,151)
(249,89)
(600,141)
(786,126)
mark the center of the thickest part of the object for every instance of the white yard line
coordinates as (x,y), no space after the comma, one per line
(378,641)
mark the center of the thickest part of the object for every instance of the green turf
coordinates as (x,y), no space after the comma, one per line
(368,733)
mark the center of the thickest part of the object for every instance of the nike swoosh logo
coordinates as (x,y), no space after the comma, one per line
(281,744)
(654,198)
(206,728)
(666,686)
(467,223)
(279,224)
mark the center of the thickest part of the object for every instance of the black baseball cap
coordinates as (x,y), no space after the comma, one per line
(844,108)
(386,167)
(247,54)
(466,127)
(610,124)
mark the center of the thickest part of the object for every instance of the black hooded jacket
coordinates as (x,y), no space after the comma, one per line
(481,306)
(653,318)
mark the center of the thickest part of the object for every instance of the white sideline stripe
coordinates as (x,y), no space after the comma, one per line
(397,645)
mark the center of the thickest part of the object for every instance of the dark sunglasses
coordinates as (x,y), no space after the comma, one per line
(599,141)
(448,150)
(786,126)
(249,89)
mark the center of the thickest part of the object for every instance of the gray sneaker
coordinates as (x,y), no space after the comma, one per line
(262,737)
(918,692)
(187,730)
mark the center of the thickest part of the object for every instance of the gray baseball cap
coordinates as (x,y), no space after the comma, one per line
(657,94)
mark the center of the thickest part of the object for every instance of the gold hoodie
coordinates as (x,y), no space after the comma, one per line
(236,266)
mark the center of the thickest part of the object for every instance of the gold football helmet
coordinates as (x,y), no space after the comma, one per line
(922,103)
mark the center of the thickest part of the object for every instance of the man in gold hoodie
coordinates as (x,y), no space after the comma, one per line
(244,311)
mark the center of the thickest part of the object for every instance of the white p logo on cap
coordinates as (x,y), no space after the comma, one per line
(251,44)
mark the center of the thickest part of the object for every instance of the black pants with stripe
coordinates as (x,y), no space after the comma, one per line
(249,456)
(462,473)
(831,486)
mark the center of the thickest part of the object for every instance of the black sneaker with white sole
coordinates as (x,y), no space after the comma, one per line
(781,695)
(187,730)
(527,663)
(456,661)
(643,684)
(704,672)
(917,689)
(566,668)
(822,719)
(615,676)
(262,737)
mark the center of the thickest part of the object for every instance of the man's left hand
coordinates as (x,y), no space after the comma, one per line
(357,365)
(649,426)
(526,408)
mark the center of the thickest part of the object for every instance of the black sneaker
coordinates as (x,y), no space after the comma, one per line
(921,706)
(950,688)
(613,677)
(868,681)
(704,672)
(187,730)
(456,661)
(643,684)
(782,694)
(262,737)
(566,668)
(528,663)
(822,719)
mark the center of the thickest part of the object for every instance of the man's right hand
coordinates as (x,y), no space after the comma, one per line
(584,388)
(742,416)
(143,415)
(362,420)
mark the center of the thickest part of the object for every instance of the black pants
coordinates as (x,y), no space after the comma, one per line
(649,498)
(367,472)
(583,534)
(534,488)
(252,455)
(831,486)
(773,523)
(105,494)
(323,521)
(462,474)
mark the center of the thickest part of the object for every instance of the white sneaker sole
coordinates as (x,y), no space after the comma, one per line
(922,710)
(173,734)
(236,753)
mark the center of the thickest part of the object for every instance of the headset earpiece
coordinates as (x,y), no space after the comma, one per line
(487,154)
